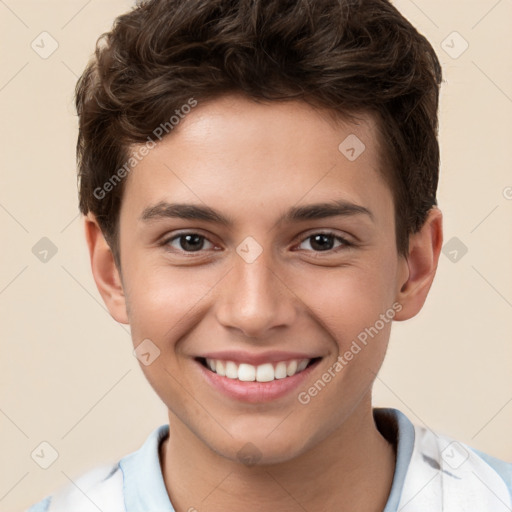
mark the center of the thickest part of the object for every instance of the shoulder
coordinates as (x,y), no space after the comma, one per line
(502,468)
(134,479)
(458,476)
(455,454)
(98,489)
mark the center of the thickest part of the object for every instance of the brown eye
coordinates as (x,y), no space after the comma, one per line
(188,242)
(322,242)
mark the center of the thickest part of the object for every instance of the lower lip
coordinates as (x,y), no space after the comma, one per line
(256,392)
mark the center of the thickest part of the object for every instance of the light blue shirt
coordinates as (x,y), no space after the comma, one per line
(136,484)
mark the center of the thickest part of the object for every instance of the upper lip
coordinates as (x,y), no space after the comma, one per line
(255,359)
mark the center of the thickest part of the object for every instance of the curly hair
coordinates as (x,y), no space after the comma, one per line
(346,56)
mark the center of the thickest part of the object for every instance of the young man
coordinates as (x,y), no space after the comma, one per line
(259,183)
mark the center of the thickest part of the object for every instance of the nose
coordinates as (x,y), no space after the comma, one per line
(255,300)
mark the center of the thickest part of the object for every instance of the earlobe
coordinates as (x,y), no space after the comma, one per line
(105,271)
(424,250)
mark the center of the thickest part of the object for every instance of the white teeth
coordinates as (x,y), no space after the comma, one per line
(291,368)
(280,371)
(302,365)
(246,372)
(266,372)
(219,368)
(231,370)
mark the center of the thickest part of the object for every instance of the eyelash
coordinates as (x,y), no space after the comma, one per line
(345,243)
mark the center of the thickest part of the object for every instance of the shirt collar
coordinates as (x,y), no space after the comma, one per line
(399,431)
(144,487)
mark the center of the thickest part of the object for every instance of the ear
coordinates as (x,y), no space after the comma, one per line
(104,270)
(421,265)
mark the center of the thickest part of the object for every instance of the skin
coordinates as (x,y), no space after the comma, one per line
(252,162)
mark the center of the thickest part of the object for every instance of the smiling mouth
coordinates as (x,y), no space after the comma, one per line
(266,372)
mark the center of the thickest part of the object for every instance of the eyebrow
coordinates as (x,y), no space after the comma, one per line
(165,210)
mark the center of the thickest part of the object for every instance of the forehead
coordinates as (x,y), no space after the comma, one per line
(277,126)
(253,154)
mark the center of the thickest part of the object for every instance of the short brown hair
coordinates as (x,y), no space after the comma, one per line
(347,56)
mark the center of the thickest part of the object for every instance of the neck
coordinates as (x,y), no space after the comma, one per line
(351,470)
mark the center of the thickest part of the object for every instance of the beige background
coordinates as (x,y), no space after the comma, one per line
(68,376)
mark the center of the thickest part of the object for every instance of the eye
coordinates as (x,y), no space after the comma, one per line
(187,242)
(323,242)
(194,242)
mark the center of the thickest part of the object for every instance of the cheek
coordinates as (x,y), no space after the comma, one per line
(164,302)
(354,306)
(163,308)
(347,300)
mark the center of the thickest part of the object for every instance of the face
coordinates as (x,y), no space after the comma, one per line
(251,244)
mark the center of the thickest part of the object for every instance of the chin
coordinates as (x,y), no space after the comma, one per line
(260,450)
